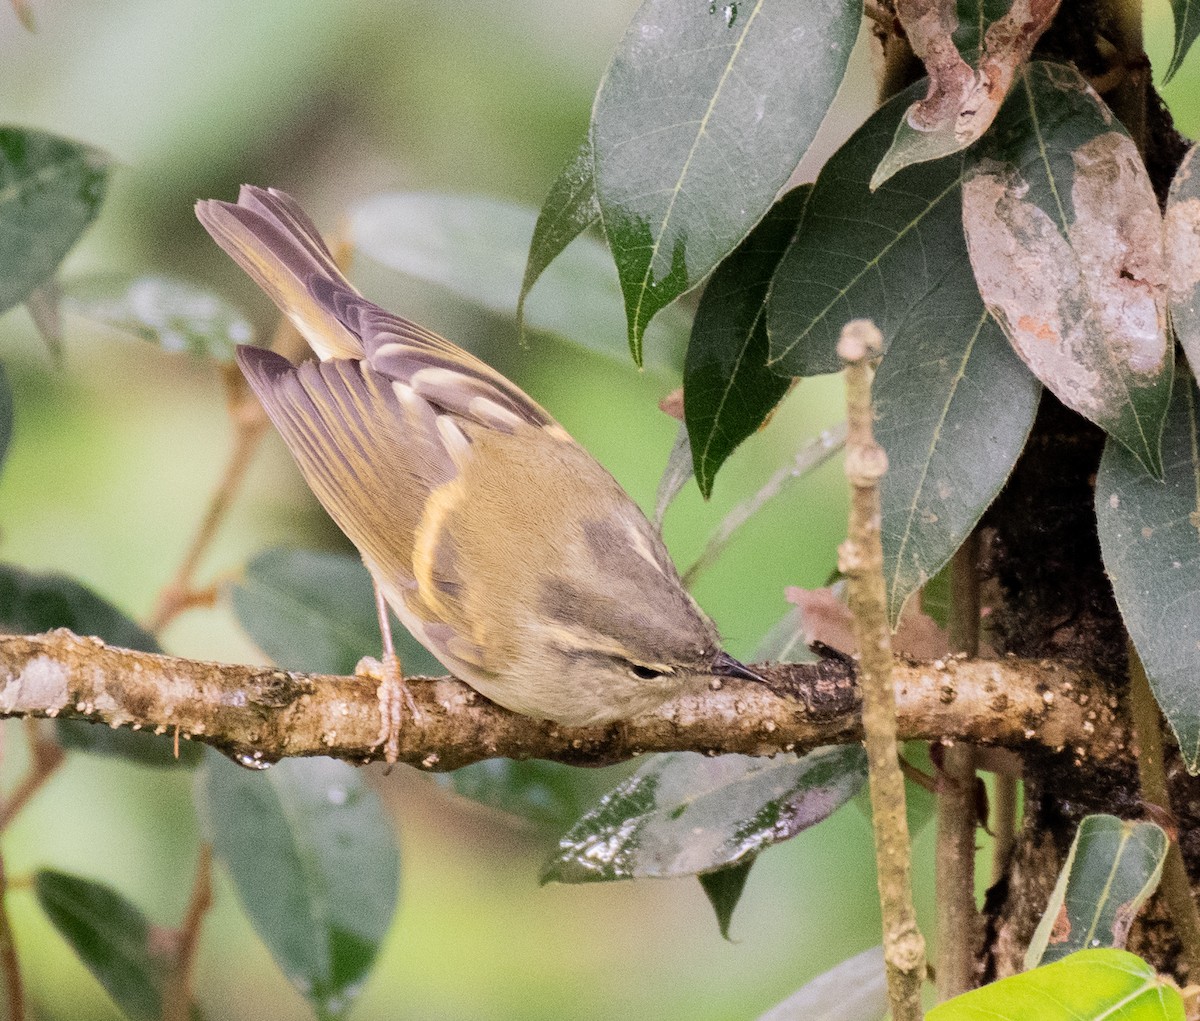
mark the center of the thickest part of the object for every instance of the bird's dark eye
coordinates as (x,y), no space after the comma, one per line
(646,673)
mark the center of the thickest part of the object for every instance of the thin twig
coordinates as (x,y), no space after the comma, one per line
(812,455)
(177,998)
(861,559)
(954,853)
(250,424)
(1176,887)
(45,756)
(10,964)
(1004,823)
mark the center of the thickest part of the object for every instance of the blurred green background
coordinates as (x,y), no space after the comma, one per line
(116,452)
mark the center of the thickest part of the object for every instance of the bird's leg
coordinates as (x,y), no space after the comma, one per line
(393,692)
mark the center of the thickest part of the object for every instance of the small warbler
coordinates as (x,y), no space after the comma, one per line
(499,542)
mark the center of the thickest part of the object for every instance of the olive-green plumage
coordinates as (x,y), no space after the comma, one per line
(498,541)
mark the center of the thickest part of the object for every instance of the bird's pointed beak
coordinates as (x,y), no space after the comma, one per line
(726,666)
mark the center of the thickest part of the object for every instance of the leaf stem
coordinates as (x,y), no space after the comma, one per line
(812,455)
(250,424)
(1176,887)
(45,756)
(10,964)
(861,558)
(177,997)
(954,853)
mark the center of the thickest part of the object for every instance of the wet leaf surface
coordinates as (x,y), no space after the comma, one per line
(699,121)
(171,313)
(50,192)
(1150,540)
(310,851)
(1065,239)
(728,389)
(1091,985)
(1111,870)
(685,813)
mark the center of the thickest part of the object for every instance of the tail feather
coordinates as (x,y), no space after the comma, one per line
(271,238)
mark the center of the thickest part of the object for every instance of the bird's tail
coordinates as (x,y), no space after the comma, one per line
(272,239)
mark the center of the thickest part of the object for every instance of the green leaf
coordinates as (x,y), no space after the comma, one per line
(32,603)
(476,248)
(698,122)
(314,862)
(728,391)
(1065,239)
(684,814)
(315,611)
(112,938)
(1183,255)
(176,315)
(50,191)
(723,888)
(860,254)
(549,794)
(1150,541)
(1091,985)
(1186,14)
(569,210)
(1112,869)
(974,19)
(855,990)
(954,406)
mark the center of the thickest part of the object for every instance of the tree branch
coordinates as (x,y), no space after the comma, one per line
(248,710)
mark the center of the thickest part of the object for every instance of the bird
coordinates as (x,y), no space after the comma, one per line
(498,541)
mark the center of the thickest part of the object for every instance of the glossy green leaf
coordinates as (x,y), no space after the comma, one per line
(1066,242)
(1150,540)
(974,18)
(953,408)
(314,861)
(728,391)
(860,254)
(569,210)
(111,937)
(50,191)
(723,888)
(176,315)
(476,247)
(1186,15)
(684,813)
(550,794)
(699,120)
(1112,869)
(32,603)
(1183,255)
(315,611)
(1091,985)
(855,990)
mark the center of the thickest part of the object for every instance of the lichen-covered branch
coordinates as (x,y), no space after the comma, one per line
(248,710)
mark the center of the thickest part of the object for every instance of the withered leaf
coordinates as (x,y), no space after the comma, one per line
(1066,242)
(1183,257)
